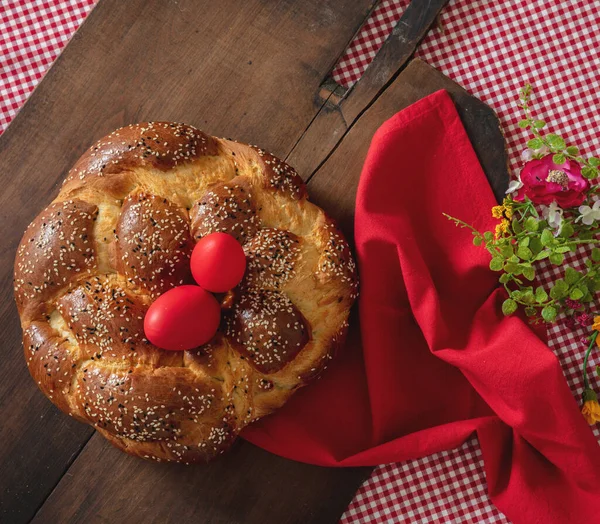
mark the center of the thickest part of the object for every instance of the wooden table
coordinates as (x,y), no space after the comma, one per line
(255,70)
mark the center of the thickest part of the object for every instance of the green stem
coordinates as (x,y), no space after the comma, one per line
(586,383)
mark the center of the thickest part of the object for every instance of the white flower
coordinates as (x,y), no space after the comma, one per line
(514,185)
(554,215)
(527,155)
(589,214)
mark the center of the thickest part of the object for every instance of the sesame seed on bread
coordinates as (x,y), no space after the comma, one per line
(120,233)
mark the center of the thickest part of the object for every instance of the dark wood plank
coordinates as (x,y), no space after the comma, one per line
(341,110)
(249,485)
(340,174)
(227,67)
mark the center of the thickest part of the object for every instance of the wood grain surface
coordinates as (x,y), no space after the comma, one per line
(249,70)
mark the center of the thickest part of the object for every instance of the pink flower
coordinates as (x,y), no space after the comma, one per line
(570,323)
(545,182)
(572,304)
(583,319)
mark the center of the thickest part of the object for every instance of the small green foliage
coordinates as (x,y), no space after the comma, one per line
(559,289)
(576,294)
(571,276)
(567,230)
(549,313)
(529,273)
(530,311)
(547,238)
(496,264)
(519,247)
(555,142)
(535,143)
(540,295)
(531,224)
(524,253)
(509,306)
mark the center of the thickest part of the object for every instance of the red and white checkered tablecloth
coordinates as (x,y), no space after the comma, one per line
(491,48)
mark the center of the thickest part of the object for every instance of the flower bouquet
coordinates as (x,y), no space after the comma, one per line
(552,208)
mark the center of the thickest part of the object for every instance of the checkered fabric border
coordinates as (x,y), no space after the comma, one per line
(32,34)
(491,49)
(367,42)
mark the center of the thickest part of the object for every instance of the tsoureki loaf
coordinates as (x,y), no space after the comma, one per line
(120,233)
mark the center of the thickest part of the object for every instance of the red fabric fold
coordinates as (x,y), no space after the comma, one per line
(438,360)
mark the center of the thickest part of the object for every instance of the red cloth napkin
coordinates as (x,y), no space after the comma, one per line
(439,361)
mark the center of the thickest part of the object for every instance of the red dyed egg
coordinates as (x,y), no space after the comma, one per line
(183,318)
(218,262)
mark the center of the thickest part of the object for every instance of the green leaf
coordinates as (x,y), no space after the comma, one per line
(535,143)
(496,264)
(541,295)
(507,251)
(559,159)
(547,237)
(544,254)
(593,161)
(504,278)
(588,263)
(488,237)
(531,224)
(516,226)
(509,306)
(571,276)
(524,124)
(511,267)
(559,289)
(524,242)
(598,370)
(530,311)
(557,258)
(539,124)
(477,240)
(524,253)
(596,254)
(549,313)
(572,150)
(535,244)
(529,273)
(567,230)
(589,172)
(528,297)
(563,249)
(576,294)
(555,141)
(586,235)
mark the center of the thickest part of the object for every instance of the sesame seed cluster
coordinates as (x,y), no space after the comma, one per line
(121,232)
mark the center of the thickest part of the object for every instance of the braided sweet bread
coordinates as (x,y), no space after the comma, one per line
(120,233)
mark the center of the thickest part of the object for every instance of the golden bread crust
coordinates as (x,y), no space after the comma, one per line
(120,233)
